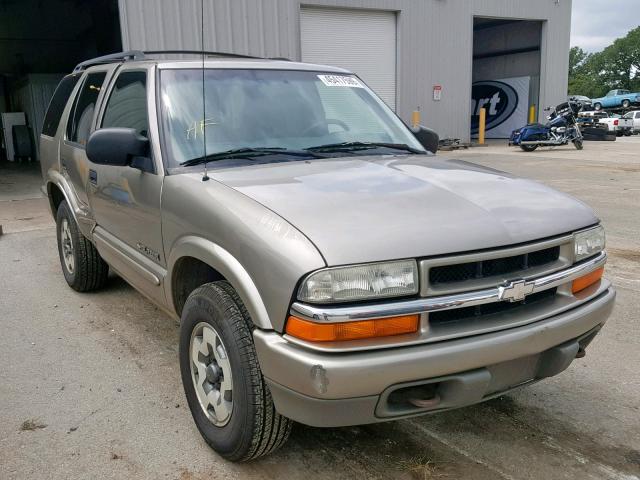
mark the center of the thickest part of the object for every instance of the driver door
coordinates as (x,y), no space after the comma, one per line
(126,200)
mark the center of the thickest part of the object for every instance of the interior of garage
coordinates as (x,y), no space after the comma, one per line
(509,51)
(40,41)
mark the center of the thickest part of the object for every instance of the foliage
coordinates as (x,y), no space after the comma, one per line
(617,66)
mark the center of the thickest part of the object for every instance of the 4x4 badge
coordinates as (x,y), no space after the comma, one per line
(515,291)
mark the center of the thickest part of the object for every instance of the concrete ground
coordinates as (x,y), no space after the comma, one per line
(90,386)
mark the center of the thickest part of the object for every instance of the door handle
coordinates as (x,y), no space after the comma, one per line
(93,177)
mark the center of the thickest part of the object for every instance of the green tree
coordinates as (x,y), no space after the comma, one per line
(577,56)
(621,62)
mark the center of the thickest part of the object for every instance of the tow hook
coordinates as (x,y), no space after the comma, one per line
(581,352)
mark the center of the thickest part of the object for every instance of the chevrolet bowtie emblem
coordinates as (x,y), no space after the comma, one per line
(515,291)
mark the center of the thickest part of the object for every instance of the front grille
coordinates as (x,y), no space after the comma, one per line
(489,268)
(470,313)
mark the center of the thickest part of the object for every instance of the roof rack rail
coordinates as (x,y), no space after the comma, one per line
(197,52)
(114,57)
(140,55)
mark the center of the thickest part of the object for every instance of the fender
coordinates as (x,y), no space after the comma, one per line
(82,216)
(226,264)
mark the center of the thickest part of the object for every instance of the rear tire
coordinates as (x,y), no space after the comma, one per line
(528,148)
(247,426)
(82,266)
(626,103)
(597,107)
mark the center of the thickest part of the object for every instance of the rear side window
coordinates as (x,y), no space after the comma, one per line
(79,124)
(127,104)
(57,104)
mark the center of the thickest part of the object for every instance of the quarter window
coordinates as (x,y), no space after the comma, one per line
(79,126)
(127,104)
(57,104)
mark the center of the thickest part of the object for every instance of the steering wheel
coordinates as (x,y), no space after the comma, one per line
(328,121)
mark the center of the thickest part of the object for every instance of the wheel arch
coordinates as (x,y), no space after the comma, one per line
(194,261)
(56,197)
(58,189)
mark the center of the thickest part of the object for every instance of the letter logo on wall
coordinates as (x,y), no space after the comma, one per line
(498,98)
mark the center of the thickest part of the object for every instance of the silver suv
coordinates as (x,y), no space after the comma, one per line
(324,266)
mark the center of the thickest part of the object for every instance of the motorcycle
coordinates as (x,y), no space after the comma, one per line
(561,129)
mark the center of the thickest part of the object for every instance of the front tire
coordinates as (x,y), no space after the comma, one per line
(597,107)
(626,104)
(228,397)
(82,266)
(578,144)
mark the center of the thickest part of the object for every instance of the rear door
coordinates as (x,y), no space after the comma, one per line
(49,148)
(80,124)
(126,201)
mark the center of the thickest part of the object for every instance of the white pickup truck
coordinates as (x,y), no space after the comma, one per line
(615,124)
(634,116)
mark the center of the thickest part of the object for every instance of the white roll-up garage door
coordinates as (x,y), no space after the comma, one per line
(363,41)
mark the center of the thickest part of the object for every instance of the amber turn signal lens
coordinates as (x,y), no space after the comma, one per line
(336,332)
(587,280)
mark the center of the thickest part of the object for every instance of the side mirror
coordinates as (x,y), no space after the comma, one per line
(117,147)
(427,138)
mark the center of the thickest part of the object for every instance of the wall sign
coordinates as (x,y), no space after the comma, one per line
(506,102)
(437,93)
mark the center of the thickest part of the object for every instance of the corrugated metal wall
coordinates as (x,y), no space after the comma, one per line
(32,95)
(434,42)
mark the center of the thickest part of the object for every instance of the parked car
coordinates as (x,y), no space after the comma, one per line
(615,99)
(635,117)
(615,123)
(586,102)
(324,266)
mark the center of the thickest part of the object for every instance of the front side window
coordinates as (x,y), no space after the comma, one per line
(79,125)
(279,109)
(127,104)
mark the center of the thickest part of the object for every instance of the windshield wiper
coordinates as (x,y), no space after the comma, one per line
(355,146)
(247,152)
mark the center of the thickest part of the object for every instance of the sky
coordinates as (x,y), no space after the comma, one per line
(595,24)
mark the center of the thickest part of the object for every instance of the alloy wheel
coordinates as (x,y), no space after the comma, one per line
(211,374)
(67,246)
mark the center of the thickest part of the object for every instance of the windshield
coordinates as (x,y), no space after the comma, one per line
(277,109)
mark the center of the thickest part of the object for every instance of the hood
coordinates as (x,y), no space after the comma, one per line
(363,209)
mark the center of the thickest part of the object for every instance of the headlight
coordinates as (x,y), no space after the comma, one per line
(360,282)
(588,243)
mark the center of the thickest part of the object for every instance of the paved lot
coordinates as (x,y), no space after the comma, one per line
(89,384)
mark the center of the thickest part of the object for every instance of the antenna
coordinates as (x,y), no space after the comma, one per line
(203,125)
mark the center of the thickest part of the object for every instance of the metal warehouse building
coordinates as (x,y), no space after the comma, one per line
(417,54)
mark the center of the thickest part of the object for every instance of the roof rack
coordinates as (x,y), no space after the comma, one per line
(197,52)
(140,55)
(114,57)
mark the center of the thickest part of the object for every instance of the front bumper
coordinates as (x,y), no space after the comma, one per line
(336,389)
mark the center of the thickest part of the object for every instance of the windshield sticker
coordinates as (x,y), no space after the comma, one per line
(340,81)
